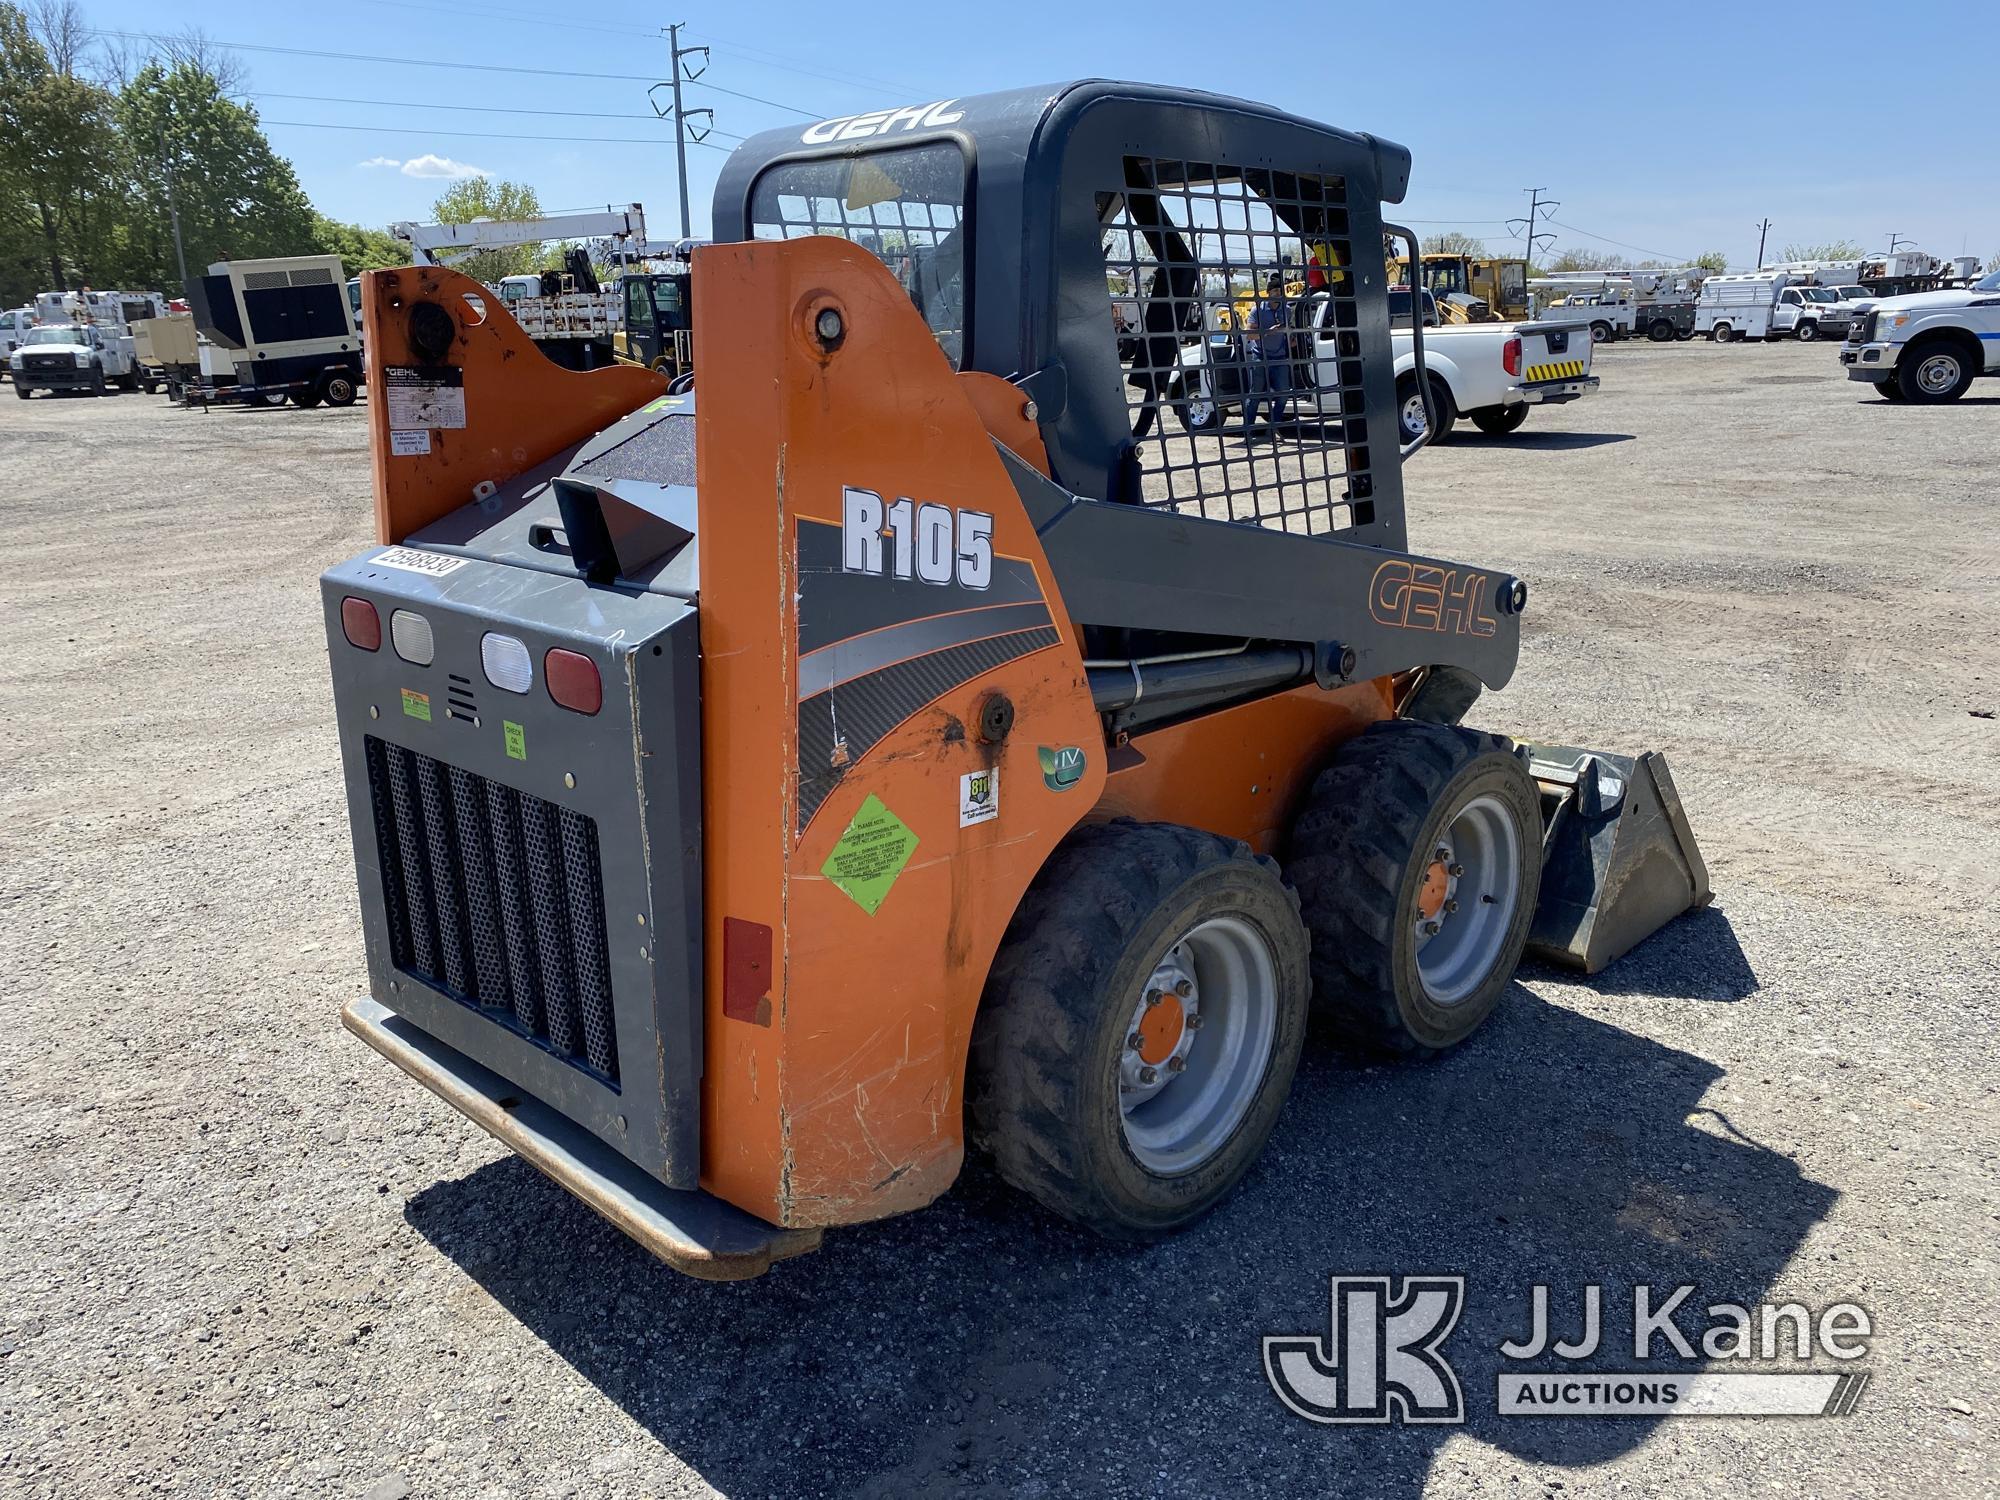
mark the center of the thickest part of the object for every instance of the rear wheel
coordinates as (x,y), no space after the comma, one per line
(1600,333)
(1722,333)
(339,389)
(307,398)
(273,398)
(1140,1026)
(1932,371)
(1417,860)
(1498,421)
(1660,331)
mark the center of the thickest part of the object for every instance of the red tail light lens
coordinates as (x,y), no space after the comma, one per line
(573,680)
(360,624)
(1510,356)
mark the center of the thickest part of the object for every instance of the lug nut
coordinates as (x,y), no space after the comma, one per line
(1443,853)
(1132,1042)
(1196,1022)
(1450,907)
(1149,1075)
(1430,929)
(1154,997)
(1177,1065)
(1184,987)
(1455,871)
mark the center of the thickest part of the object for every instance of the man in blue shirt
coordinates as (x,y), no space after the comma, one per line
(1268,340)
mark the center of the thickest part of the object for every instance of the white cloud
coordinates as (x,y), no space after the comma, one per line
(379,161)
(429,165)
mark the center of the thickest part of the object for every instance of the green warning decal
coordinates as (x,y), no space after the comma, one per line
(417,705)
(517,740)
(870,854)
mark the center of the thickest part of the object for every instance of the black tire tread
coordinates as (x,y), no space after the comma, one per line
(1347,853)
(1037,1013)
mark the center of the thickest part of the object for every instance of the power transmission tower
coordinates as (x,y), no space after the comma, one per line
(1539,208)
(1897,239)
(684,126)
(1762,230)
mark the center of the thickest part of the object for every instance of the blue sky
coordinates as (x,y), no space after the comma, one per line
(1666,146)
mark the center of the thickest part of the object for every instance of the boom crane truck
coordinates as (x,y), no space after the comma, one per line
(895,742)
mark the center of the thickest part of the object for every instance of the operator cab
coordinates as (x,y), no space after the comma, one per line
(1083,241)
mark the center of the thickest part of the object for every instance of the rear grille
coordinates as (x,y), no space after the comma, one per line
(495,897)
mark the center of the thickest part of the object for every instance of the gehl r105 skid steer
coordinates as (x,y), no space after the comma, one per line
(912,735)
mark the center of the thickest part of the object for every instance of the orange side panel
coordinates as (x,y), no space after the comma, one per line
(519,409)
(841,1099)
(1002,406)
(1242,771)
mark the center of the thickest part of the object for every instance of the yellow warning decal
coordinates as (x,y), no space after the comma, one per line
(1568,369)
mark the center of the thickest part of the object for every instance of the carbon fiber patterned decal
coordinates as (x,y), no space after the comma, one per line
(839,726)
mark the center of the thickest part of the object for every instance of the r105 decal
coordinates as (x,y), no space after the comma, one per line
(931,543)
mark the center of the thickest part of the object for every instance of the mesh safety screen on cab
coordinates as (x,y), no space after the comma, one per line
(1232,297)
(904,206)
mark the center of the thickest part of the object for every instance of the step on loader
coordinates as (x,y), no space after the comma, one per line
(906,737)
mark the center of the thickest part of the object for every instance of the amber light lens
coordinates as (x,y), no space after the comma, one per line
(573,680)
(360,624)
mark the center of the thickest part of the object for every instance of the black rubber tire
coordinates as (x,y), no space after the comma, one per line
(308,398)
(1600,333)
(339,389)
(1498,421)
(1357,856)
(1660,331)
(1188,423)
(1890,389)
(98,387)
(1443,411)
(274,399)
(1806,333)
(1721,333)
(150,387)
(22,391)
(1042,1086)
(1912,360)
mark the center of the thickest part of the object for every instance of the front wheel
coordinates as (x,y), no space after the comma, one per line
(1498,421)
(1930,373)
(1197,410)
(1889,390)
(273,398)
(22,391)
(97,383)
(1417,858)
(1140,1027)
(1412,420)
(1806,333)
(339,389)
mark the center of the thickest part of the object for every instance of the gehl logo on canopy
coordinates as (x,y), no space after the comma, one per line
(882,121)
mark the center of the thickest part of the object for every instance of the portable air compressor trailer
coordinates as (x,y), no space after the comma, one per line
(898,740)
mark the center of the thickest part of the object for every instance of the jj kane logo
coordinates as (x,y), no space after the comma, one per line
(1382,1358)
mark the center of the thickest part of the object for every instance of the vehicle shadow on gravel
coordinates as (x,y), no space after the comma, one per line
(1553,442)
(1695,957)
(983,1345)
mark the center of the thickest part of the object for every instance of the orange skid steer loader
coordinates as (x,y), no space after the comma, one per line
(907,736)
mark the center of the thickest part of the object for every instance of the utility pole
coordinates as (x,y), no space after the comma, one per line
(1538,208)
(683,129)
(1897,239)
(1762,230)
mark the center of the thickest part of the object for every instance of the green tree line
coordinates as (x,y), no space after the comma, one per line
(95,171)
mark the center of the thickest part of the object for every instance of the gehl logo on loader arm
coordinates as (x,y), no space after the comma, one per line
(1380,1359)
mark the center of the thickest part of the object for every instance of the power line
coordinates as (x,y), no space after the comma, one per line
(401,62)
(486,135)
(759,56)
(809,114)
(1606,239)
(489,109)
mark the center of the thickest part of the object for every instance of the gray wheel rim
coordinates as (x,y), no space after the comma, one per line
(1457,948)
(1183,1091)
(1938,373)
(1416,421)
(1201,411)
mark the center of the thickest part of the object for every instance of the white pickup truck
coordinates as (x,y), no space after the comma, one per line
(1488,372)
(1929,346)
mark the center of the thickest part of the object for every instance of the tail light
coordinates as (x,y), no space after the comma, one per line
(1510,357)
(360,624)
(573,680)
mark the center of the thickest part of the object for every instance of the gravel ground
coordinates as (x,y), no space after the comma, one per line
(239,1255)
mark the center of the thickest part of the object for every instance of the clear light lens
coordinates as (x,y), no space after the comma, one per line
(508,665)
(411,634)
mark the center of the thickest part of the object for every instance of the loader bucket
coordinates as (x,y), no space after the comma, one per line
(1618,859)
